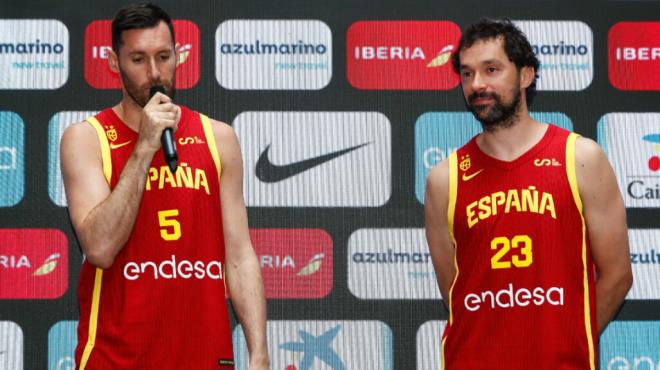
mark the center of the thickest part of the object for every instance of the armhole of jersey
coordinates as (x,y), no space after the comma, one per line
(105,148)
(210,140)
(453,185)
(98,277)
(571,172)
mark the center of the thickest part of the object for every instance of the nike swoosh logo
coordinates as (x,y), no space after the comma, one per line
(268,172)
(467,177)
(115,146)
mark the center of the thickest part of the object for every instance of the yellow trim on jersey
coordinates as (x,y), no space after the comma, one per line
(93,319)
(210,140)
(105,147)
(572,179)
(451,210)
(98,278)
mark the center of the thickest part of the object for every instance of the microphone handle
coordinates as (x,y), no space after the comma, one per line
(169,149)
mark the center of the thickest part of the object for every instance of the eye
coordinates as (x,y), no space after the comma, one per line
(137,60)
(491,69)
(165,57)
(465,74)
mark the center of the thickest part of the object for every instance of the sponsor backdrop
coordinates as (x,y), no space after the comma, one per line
(341,108)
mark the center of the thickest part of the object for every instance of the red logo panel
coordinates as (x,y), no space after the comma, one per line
(398,55)
(98,43)
(634,55)
(33,263)
(295,263)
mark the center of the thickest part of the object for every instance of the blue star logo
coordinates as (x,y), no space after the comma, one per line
(316,347)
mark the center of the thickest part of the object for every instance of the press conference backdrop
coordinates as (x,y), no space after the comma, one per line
(341,244)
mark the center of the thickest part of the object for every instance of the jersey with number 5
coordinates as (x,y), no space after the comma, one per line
(523,296)
(162,304)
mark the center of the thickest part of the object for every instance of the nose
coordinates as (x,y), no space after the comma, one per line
(478,82)
(154,72)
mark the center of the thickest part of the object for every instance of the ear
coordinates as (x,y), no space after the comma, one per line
(113,61)
(527,75)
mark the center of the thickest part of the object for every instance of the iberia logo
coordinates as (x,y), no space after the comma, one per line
(295,263)
(33,263)
(634,55)
(654,160)
(402,55)
(98,44)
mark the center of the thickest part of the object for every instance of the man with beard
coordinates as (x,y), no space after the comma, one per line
(162,250)
(525,223)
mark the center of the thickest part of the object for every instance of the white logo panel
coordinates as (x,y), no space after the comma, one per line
(429,345)
(566,52)
(645,261)
(34,54)
(391,264)
(273,54)
(315,159)
(632,144)
(323,345)
(11,346)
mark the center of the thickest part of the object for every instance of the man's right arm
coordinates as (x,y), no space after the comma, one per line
(440,243)
(103,219)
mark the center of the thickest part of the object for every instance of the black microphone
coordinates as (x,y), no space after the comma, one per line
(167,139)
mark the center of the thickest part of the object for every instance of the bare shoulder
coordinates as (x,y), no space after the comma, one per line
(79,131)
(588,153)
(438,177)
(222,130)
(79,139)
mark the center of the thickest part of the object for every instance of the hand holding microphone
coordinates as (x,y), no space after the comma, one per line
(167,137)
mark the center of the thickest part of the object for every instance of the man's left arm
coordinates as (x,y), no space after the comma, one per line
(243,274)
(605,216)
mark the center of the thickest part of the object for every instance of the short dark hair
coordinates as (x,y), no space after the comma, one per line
(138,16)
(515,43)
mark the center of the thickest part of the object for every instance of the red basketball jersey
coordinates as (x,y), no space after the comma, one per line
(162,303)
(523,296)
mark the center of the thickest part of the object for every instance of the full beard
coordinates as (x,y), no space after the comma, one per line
(500,115)
(140,94)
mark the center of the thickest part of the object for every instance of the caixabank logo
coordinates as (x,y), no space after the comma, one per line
(273,54)
(429,343)
(11,346)
(402,55)
(645,260)
(98,44)
(62,340)
(33,263)
(34,54)
(398,259)
(630,345)
(295,263)
(315,159)
(56,126)
(12,178)
(565,50)
(632,144)
(634,55)
(322,345)
(438,134)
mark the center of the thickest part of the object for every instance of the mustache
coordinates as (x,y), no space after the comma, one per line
(478,95)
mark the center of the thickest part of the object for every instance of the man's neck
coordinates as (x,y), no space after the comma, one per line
(509,143)
(129,112)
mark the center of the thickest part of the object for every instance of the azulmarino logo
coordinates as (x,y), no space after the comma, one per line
(258,47)
(36,47)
